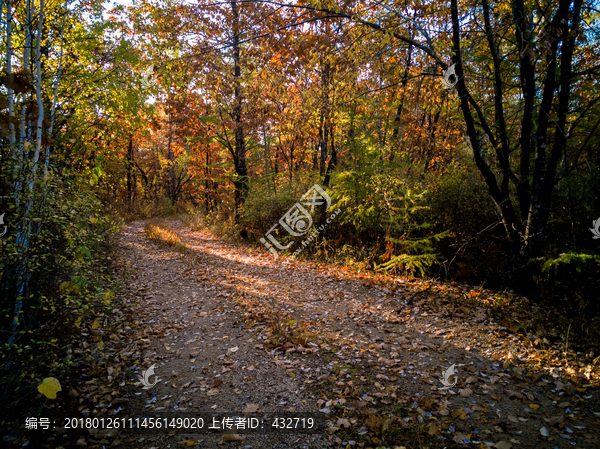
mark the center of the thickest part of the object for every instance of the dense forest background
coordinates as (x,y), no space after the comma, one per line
(460,140)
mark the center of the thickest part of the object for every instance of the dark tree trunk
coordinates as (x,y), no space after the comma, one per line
(207,202)
(544,176)
(324,118)
(332,163)
(502,200)
(171,157)
(534,190)
(144,175)
(129,168)
(527,76)
(241,181)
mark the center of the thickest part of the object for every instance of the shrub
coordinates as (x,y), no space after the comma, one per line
(268,202)
(53,264)
(476,250)
(385,205)
(573,277)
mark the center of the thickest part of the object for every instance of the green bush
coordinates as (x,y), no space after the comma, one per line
(61,262)
(385,205)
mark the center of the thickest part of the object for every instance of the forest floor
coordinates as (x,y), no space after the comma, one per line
(232,331)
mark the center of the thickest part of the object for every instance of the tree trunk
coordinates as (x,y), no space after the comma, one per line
(38,85)
(527,77)
(503,201)
(241,181)
(324,118)
(544,177)
(9,91)
(332,162)
(207,202)
(25,126)
(395,146)
(56,83)
(266,156)
(129,163)
(171,156)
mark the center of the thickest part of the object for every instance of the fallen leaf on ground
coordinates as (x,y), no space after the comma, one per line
(466,392)
(232,437)
(250,408)
(49,387)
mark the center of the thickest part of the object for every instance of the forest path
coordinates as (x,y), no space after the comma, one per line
(231,329)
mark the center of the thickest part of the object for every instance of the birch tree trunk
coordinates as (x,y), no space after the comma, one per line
(26,62)
(23,238)
(9,91)
(38,88)
(57,82)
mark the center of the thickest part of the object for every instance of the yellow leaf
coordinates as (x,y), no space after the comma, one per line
(93,219)
(534,406)
(232,437)
(190,443)
(78,321)
(95,325)
(49,387)
(100,345)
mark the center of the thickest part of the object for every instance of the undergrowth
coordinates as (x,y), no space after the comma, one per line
(159,231)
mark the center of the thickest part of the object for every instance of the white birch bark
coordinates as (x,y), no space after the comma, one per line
(26,61)
(9,92)
(38,87)
(23,239)
(56,83)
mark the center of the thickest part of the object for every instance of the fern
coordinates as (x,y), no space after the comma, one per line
(408,249)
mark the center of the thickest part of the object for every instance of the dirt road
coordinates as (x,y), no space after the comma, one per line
(230,329)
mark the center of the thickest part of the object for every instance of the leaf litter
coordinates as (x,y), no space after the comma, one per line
(234,330)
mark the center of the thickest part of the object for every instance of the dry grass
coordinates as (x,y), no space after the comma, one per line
(158,230)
